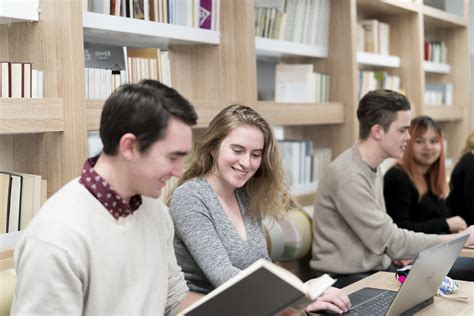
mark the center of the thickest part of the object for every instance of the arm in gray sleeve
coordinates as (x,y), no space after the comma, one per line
(374,227)
(195,227)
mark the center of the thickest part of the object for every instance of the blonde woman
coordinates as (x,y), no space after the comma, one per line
(235,179)
(461,199)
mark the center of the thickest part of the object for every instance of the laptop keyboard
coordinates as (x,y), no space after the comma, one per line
(377,306)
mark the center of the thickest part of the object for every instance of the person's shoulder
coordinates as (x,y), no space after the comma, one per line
(193,185)
(67,198)
(468,158)
(396,172)
(342,162)
(62,216)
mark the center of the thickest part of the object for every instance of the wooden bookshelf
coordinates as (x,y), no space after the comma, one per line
(371,59)
(444,113)
(46,137)
(302,113)
(206,111)
(217,68)
(266,48)
(28,116)
(438,68)
(121,31)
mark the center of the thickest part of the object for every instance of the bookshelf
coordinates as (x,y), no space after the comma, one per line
(270,48)
(371,59)
(214,69)
(439,68)
(30,116)
(116,30)
(43,136)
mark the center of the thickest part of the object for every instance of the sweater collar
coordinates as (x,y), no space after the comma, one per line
(104,193)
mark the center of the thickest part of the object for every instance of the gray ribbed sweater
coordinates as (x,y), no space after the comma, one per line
(207,246)
(351,229)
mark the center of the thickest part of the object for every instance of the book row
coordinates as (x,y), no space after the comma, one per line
(191,13)
(371,80)
(302,162)
(21,196)
(373,36)
(299,83)
(19,80)
(436,52)
(293,20)
(439,94)
(107,67)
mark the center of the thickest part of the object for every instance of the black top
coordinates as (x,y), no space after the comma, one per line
(461,198)
(427,215)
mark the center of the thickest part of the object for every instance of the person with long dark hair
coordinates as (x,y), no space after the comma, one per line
(415,188)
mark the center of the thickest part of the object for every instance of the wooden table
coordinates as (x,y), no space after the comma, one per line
(467,252)
(441,306)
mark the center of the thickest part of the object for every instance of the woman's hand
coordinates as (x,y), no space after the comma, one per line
(456,224)
(333,300)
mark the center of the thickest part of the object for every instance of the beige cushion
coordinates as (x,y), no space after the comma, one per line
(7,290)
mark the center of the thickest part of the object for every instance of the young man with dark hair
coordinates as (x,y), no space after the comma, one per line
(103,244)
(352,234)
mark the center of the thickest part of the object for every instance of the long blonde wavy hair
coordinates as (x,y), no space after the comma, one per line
(266,191)
(469,146)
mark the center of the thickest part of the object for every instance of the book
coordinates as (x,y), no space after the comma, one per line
(14,205)
(26,84)
(262,289)
(4,79)
(16,80)
(4,201)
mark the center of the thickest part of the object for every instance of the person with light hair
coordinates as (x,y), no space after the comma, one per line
(235,180)
(461,198)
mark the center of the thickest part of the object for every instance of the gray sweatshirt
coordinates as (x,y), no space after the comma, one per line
(207,246)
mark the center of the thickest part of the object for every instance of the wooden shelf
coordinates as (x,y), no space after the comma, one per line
(11,11)
(270,48)
(301,113)
(444,112)
(109,29)
(438,19)
(206,111)
(386,7)
(438,68)
(28,116)
(371,59)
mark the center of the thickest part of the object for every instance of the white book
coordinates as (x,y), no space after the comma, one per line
(4,79)
(97,6)
(91,83)
(16,75)
(291,82)
(262,289)
(26,68)
(146,9)
(40,83)
(384,38)
(34,83)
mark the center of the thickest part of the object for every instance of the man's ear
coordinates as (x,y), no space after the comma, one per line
(128,146)
(377,131)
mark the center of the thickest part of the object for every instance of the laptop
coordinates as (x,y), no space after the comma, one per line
(418,290)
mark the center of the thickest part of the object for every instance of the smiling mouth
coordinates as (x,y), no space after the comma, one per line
(239,172)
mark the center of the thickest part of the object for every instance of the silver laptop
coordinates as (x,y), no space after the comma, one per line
(418,290)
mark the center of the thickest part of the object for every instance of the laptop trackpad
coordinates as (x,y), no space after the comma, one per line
(363,295)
